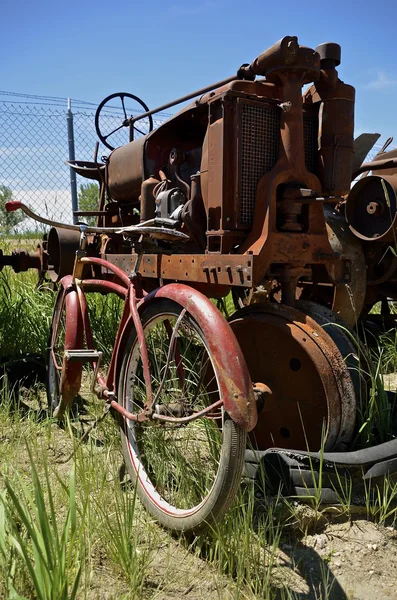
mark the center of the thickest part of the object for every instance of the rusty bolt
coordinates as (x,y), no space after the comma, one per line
(374,208)
(262,392)
(285,106)
(176,157)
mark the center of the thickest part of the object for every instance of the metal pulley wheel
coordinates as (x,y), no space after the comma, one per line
(353,352)
(348,298)
(312,394)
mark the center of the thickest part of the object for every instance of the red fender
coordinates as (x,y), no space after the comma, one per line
(234,379)
(74,339)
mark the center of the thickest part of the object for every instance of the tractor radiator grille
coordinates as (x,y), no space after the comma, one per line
(259,150)
(260,140)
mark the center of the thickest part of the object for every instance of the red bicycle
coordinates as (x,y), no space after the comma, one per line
(177,380)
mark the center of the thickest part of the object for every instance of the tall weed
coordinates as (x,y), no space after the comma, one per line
(50,554)
(25,315)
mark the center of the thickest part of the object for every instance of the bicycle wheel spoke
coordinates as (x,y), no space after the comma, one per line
(105,137)
(185,457)
(123,105)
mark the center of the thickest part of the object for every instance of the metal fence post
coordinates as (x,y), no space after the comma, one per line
(73,182)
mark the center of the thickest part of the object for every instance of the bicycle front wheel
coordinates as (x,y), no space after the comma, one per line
(186,474)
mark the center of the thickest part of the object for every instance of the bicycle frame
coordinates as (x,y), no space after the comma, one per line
(237,395)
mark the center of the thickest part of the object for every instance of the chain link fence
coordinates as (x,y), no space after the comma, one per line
(35,143)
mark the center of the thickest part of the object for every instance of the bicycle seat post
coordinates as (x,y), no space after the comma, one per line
(80,253)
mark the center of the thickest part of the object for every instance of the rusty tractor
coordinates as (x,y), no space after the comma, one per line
(246,192)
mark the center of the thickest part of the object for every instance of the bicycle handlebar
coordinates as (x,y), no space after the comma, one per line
(145,228)
(16,205)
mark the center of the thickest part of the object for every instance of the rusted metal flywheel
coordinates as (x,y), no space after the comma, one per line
(290,353)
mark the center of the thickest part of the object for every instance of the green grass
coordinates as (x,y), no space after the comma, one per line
(63,525)
(33,234)
(245,544)
(50,553)
(77,527)
(25,314)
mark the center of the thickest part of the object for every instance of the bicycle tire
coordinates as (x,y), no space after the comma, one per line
(64,318)
(167,496)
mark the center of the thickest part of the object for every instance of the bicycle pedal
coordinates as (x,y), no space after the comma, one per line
(83,355)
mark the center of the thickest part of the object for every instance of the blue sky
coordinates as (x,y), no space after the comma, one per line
(159,50)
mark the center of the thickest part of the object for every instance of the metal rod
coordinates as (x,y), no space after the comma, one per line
(192,417)
(107,265)
(16,205)
(102,285)
(142,345)
(200,92)
(126,413)
(73,182)
(376,165)
(141,416)
(169,357)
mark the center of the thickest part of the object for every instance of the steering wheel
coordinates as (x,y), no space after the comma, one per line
(115,119)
